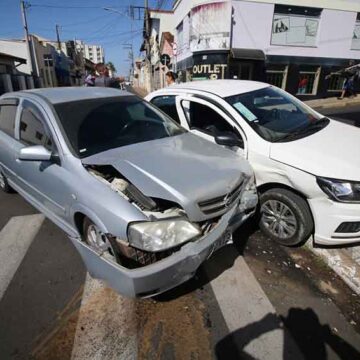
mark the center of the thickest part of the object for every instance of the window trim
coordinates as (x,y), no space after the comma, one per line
(11,102)
(214,106)
(45,122)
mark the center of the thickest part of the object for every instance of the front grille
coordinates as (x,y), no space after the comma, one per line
(221,203)
(348,227)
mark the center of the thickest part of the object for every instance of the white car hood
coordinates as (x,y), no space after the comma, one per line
(332,152)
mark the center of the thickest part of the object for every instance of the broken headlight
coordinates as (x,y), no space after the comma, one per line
(161,235)
(340,190)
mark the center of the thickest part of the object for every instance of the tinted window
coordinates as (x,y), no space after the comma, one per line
(168,105)
(206,119)
(32,130)
(7,119)
(96,125)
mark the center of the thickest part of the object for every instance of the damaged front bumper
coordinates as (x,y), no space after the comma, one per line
(169,272)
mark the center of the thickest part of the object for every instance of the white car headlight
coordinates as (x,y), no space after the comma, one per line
(161,235)
(340,190)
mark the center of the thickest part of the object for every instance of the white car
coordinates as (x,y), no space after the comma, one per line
(307,166)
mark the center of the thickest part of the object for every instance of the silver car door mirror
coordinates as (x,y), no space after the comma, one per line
(35,153)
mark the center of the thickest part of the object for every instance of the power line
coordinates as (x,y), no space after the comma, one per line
(70,7)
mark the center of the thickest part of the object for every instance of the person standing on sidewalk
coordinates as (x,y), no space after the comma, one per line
(170,78)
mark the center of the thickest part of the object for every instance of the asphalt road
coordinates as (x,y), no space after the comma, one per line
(253,300)
(348,114)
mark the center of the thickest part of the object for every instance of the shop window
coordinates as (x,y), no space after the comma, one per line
(308,81)
(277,76)
(336,83)
(295,25)
(355,44)
(168,105)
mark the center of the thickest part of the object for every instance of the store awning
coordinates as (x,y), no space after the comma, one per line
(248,54)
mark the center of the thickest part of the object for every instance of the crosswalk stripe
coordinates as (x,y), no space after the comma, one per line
(107,325)
(247,310)
(15,239)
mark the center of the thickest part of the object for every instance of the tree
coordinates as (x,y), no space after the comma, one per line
(111,67)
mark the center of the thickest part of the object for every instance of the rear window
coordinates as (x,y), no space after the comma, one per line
(7,119)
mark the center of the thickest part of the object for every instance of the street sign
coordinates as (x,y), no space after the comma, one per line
(165,59)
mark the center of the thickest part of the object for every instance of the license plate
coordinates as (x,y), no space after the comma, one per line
(224,240)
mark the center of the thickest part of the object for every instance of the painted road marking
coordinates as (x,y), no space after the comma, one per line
(107,325)
(246,307)
(15,239)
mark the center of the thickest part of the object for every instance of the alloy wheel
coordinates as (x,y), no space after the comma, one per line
(279,219)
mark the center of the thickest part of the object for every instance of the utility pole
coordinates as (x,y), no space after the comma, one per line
(24,6)
(58,37)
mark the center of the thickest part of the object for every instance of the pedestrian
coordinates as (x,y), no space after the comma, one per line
(170,78)
(90,79)
(302,85)
(103,80)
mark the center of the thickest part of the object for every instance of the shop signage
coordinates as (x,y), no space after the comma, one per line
(210,71)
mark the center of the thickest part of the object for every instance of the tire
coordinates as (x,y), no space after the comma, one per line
(102,244)
(4,185)
(285,217)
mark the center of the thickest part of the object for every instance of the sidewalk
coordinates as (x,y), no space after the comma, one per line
(138,91)
(332,102)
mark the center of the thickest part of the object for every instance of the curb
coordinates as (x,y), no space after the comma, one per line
(331,105)
(345,262)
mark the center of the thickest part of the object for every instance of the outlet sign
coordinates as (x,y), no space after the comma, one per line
(209,71)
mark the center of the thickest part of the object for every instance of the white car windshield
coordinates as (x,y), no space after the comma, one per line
(275,115)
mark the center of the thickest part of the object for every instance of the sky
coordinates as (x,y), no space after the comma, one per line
(80,19)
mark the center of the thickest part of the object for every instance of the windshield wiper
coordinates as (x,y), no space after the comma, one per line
(309,129)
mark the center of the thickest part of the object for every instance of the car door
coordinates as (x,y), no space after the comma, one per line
(205,119)
(8,111)
(40,181)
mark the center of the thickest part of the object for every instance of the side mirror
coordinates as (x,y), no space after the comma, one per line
(228,138)
(35,153)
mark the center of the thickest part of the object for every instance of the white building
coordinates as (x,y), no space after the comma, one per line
(94,53)
(293,44)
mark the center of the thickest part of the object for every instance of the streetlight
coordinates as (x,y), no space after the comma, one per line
(116,11)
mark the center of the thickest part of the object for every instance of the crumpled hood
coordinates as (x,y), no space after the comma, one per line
(332,152)
(185,169)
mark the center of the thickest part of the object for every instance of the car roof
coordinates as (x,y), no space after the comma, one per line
(68,94)
(222,88)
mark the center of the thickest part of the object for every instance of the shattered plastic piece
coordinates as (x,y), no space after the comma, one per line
(352,322)
(297,266)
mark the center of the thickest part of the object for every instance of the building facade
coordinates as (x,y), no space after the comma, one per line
(94,53)
(292,44)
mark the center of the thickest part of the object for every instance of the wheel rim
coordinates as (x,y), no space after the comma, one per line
(279,219)
(98,241)
(2,181)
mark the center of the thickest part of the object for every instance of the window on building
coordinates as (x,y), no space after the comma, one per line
(295,25)
(48,60)
(308,80)
(32,130)
(7,119)
(336,83)
(180,37)
(355,44)
(168,105)
(277,76)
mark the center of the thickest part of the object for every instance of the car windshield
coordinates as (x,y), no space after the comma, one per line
(275,115)
(96,125)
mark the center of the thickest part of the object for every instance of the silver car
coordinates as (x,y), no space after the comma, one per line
(144,201)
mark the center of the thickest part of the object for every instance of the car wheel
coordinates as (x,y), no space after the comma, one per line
(98,241)
(285,217)
(4,185)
